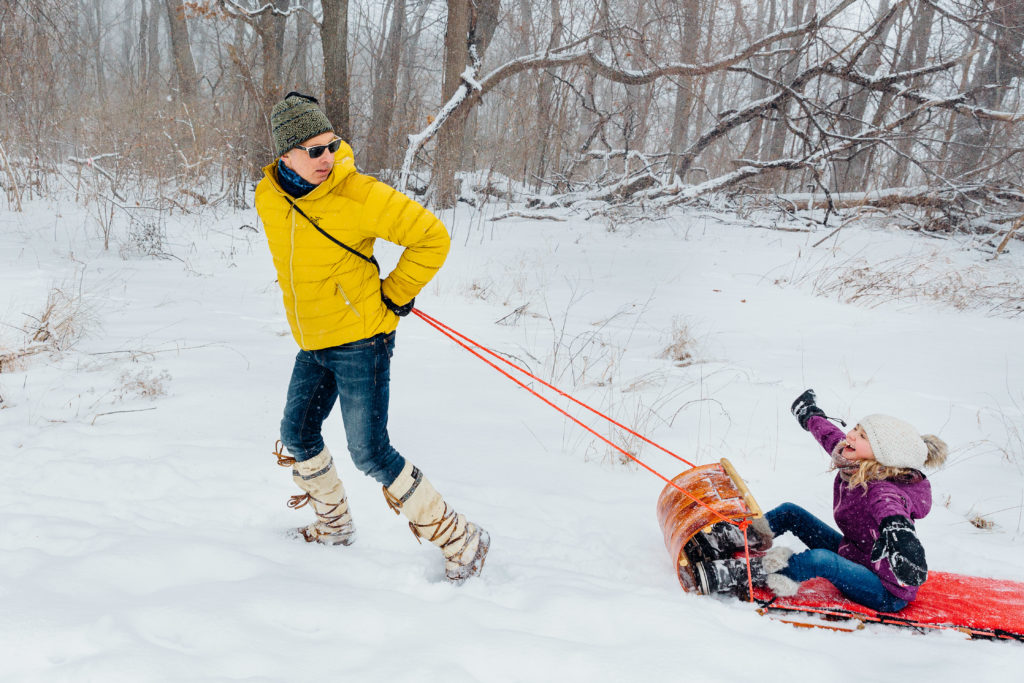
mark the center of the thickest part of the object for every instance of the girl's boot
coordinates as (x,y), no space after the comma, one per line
(726,576)
(325,494)
(723,540)
(463,543)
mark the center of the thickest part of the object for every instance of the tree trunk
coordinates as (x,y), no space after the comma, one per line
(589,119)
(298,68)
(790,66)
(408,87)
(153,42)
(684,91)
(385,94)
(850,171)
(917,55)
(544,98)
(993,78)
(334,35)
(449,138)
(94,20)
(752,150)
(143,48)
(473,22)
(271,29)
(482,26)
(181,49)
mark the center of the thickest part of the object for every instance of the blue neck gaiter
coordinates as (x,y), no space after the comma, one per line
(291,182)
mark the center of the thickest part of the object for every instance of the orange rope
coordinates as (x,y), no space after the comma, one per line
(458,338)
(446,330)
(746,553)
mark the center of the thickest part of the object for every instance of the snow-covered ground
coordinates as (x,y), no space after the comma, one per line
(143,519)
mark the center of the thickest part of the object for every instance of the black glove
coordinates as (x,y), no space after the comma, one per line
(400,311)
(898,542)
(804,408)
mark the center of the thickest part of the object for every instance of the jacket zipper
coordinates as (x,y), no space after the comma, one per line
(291,283)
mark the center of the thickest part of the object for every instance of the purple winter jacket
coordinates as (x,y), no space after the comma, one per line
(858,512)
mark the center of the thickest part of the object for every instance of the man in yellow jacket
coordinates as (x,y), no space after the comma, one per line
(322,218)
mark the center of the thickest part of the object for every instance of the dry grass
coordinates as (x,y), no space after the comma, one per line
(681,344)
(979,522)
(63,321)
(12,360)
(916,279)
(143,384)
(1011,419)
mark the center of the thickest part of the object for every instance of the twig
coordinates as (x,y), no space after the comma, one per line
(11,357)
(523,214)
(115,412)
(1009,233)
(825,238)
(90,162)
(10,174)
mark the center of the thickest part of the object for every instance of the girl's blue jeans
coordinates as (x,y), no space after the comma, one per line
(855,581)
(357,376)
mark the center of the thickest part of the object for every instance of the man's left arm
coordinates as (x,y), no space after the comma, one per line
(392,216)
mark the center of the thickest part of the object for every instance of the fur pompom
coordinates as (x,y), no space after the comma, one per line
(937,451)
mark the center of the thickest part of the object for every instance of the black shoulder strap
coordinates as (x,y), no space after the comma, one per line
(369,259)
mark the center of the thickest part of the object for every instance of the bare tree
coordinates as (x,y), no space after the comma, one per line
(613,101)
(181,49)
(97,29)
(752,150)
(545,93)
(850,169)
(1004,21)
(788,67)
(334,35)
(688,46)
(385,93)
(297,72)
(469,28)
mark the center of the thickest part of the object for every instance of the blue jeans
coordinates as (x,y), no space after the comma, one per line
(853,580)
(357,376)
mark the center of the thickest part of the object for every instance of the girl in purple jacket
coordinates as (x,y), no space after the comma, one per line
(876,558)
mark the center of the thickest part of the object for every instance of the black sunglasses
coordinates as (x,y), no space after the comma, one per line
(316,151)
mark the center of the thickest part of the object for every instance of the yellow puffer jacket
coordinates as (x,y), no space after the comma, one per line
(332,296)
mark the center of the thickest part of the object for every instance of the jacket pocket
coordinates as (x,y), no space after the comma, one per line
(340,291)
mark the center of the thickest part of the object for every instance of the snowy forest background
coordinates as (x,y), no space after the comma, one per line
(683,212)
(905,106)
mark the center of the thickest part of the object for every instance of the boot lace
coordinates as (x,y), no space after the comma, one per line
(282,459)
(330,515)
(447,523)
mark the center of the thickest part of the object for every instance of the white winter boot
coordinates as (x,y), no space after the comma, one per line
(463,543)
(730,575)
(326,495)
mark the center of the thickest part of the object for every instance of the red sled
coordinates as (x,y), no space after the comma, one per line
(976,606)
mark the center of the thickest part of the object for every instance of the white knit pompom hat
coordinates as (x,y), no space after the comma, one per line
(895,442)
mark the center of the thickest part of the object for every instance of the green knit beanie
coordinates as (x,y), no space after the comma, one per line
(295,119)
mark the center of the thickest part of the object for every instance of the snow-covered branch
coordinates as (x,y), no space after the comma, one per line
(90,162)
(248,14)
(956,102)
(584,54)
(417,140)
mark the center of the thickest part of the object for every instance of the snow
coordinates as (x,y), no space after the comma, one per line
(143,520)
